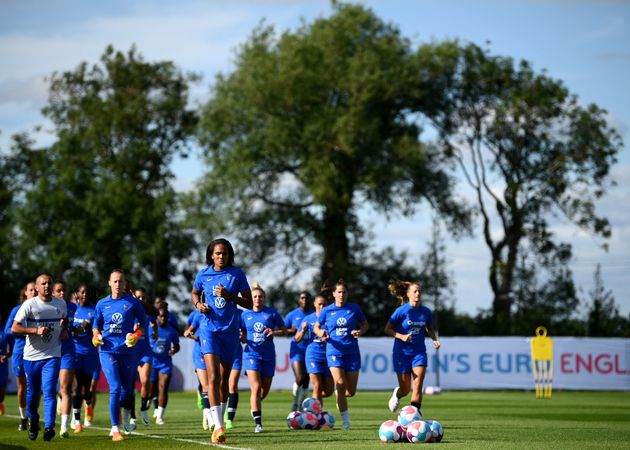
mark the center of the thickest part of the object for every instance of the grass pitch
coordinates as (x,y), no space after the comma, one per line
(471,420)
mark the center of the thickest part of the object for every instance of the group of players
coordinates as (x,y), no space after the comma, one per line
(228,313)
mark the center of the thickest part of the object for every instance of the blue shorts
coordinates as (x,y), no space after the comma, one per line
(266,367)
(145,359)
(89,364)
(220,343)
(404,363)
(4,373)
(198,361)
(68,361)
(17,364)
(296,353)
(165,367)
(349,363)
(317,366)
(238,361)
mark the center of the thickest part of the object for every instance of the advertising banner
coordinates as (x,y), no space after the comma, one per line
(461,363)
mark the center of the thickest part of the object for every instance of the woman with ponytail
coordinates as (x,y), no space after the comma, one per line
(409,325)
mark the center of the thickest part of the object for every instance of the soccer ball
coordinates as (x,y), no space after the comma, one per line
(295,420)
(312,405)
(390,431)
(419,432)
(407,415)
(326,421)
(437,431)
(310,421)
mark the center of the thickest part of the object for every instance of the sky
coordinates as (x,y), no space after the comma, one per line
(585,43)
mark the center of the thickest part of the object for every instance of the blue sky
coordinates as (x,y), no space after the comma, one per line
(584,43)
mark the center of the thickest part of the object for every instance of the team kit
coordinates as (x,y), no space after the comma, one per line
(59,347)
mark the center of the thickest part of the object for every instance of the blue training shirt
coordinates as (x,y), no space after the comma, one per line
(409,320)
(167,338)
(19,341)
(339,321)
(258,344)
(67,346)
(194,319)
(83,341)
(316,349)
(295,319)
(5,340)
(116,317)
(222,315)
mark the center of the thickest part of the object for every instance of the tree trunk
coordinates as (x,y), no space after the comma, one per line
(334,241)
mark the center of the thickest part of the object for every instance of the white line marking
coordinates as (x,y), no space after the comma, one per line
(156,436)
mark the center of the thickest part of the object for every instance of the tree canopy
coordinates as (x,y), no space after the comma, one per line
(310,126)
(101,195)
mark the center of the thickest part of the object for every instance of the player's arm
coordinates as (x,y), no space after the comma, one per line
(19,329)
(198,304)
(244,301)
(433,336)
(363,327)
(300,334)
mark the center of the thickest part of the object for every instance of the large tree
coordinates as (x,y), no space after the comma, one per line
(309,127)
(101,195)
(527,148)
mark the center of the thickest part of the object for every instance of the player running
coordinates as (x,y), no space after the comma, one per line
(165,344)
(409,325)
(113,331)
(297,350)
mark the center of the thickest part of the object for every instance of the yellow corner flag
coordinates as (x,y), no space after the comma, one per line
(542,362)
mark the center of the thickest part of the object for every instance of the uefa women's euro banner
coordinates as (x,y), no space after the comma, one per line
(462,363)
(473,363)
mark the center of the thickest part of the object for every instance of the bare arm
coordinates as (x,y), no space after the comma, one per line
(18,328)
(361,331)
(390,331)
(433,336)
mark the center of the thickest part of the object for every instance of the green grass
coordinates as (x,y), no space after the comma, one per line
(472,420)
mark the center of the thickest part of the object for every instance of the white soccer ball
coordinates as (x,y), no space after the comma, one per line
(390,431)
(312,405)
(326,421)
(437,431)
(407,415)
(419,432)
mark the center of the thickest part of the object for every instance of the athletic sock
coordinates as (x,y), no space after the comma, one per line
(145,403)
(23,413)
(345,417)
(223,409)
(232,405)
(217,416)
(77,413)
(160,412)
(65,418)
(416,404)
(257,415)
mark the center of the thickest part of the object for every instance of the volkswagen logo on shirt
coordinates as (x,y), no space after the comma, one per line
(341,322)
(259,327)
(219,302)
(117,318)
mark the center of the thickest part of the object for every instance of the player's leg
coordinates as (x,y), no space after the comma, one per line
(418,381)
(339,378)
(213,371)
(164,380)
(17,362)
(232,404)
(127,371)
(89,397)
(144,373)
(255,397)
(66,378)
(4,377)
(203,381)
(50,378)
(300,386)
(33,370)
(81,392)
(110,366)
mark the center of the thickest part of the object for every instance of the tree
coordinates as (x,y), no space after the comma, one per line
(544,294)
(100,196)
(309,127)
(437,283)
(528,150)
(603,316)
